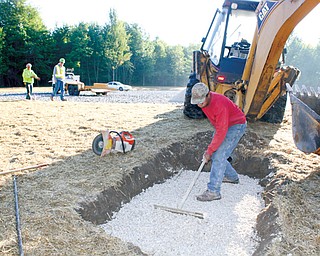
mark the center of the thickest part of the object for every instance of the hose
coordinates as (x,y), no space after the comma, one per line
(119,134)
(17,216)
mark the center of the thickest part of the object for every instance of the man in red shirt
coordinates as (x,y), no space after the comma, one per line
(230,124)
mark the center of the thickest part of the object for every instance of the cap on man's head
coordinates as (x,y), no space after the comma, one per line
(29,65)
(62,60)
(198,93)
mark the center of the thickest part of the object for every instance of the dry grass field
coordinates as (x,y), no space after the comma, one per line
(60,134)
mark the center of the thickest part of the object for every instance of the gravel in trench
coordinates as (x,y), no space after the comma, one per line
(227,229)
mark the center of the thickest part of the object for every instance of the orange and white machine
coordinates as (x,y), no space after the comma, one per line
(113,142)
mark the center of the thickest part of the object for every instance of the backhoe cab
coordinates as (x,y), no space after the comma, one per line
(242,56)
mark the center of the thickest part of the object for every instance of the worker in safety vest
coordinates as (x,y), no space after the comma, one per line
(28,76)
(59,74)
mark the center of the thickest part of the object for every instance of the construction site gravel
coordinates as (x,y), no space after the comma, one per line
(227,227)
(78,203)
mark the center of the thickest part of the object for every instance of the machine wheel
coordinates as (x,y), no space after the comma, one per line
(276,112)
(120,89)
(97,144)
(70,90)
(191,110)
(76,91)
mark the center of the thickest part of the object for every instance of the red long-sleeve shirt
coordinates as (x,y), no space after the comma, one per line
(222,113)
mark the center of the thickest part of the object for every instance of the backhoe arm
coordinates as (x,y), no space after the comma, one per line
(276,21)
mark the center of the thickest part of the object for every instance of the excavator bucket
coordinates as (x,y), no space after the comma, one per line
(305,125)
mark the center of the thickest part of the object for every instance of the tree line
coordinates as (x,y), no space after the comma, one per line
(100,53)
(97,53)
(307,58)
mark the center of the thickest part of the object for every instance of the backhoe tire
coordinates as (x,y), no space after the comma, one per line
(97,144)
(191,110)
(276,112)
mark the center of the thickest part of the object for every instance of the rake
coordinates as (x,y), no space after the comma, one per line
(179,209)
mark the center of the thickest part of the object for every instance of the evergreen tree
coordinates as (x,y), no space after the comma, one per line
(95,67)
(141,58)
(117,48)
(80,51)
(24,39)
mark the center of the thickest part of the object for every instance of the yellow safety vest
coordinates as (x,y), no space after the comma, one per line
(27,76)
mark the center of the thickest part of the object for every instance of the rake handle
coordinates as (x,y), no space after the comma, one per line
(192,184)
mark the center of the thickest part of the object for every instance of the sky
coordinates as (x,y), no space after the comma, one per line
(173,21)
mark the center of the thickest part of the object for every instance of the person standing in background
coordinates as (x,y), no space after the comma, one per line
(28,76)
(59,74)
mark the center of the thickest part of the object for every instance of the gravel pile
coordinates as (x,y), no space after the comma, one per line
(134,96)
(227,229)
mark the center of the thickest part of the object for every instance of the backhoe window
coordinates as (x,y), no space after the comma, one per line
(214,39)
(239,35)
(240,31)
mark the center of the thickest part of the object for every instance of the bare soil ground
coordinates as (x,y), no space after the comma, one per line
(60,134)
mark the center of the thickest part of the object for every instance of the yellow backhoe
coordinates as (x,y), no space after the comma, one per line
(242,57)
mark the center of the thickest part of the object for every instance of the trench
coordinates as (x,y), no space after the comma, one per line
(179,155)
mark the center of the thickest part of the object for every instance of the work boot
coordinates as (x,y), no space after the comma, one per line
(64,99)
(226,180)
(209,196)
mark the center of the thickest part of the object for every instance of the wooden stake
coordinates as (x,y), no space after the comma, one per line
(24,168)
